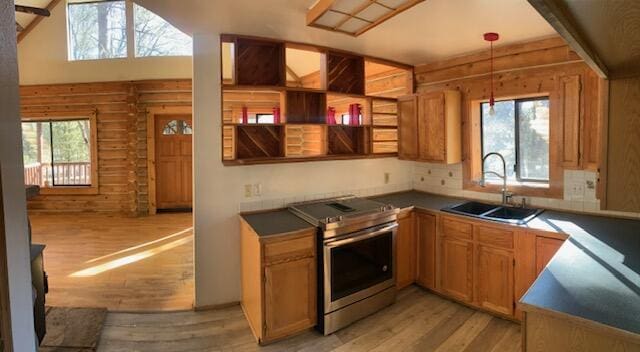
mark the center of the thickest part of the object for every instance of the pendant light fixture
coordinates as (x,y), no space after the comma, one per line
(491,37)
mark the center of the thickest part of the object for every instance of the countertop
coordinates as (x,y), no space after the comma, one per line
(595,275)
(275,222)
(36,250)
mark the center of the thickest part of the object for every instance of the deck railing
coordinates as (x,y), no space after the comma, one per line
(66,174)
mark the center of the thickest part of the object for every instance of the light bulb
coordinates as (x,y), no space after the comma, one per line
(492,111)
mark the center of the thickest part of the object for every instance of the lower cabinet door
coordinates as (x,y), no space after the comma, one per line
(290,297)
(426,230)
(405,252)
(457,268)
(494,280)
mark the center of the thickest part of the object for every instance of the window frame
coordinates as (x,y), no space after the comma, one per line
(130,35)
(93,188)
(518,165)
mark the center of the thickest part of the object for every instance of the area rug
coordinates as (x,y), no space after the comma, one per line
(73,329)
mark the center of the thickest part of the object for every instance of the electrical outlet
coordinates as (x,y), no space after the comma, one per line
(257,189)
(248,191)
(387,176)
(577,191)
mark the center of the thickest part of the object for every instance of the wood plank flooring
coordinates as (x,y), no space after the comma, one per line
(418,321)
(115,262)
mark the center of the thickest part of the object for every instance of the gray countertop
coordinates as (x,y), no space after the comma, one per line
(275,222)
(595,275)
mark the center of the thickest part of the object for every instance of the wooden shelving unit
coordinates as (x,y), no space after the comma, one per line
(260,86)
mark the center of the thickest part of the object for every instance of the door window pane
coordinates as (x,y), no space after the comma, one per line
(498,135)
(533,118)
(97,30)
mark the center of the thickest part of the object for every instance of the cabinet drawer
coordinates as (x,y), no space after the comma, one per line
(495,237)
(457,229)
(290,249)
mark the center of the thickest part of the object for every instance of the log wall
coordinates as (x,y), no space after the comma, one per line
(121,109)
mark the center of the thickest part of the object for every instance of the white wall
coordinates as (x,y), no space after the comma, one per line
(219,190)
(42,57)
(13,193)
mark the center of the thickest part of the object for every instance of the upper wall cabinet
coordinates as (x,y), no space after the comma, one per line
(259,62)
(345,73)
(434,121)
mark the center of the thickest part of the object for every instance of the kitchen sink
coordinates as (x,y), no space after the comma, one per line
(494,212)
(474,208)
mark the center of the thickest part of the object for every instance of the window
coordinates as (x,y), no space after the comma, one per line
(58,153)
(519,130)
(97,30)
(156,37)
(345,119)
(103,30)
(177,127)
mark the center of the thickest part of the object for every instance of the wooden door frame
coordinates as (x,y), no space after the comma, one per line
(5,313)
(151,146)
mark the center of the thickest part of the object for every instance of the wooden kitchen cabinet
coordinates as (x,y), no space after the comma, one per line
(457,268)
(426,256)
(436,133)
(405,250)
(290,305)
(494,279)
(546,248)
(408,127)
(279,282)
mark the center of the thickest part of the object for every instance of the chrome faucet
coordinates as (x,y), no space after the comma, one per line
(506,195)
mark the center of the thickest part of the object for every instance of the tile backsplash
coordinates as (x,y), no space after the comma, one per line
(579,189)
(275,203)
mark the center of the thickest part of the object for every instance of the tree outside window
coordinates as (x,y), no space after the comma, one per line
(100,30)
(519,131)
(97,30)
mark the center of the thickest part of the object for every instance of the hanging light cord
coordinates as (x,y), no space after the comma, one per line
(492,99)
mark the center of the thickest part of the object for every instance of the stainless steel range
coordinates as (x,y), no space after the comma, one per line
(356,251)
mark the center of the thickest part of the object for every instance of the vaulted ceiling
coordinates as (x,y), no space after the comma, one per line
(430,31)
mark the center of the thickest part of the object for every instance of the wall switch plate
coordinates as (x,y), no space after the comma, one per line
(248,191)
(387,176)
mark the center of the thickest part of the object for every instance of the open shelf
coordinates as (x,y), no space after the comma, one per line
(347,140)
(305,107)
(304,83)
(304,67)
(255,141)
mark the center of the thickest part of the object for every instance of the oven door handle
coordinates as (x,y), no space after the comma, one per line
(363,235)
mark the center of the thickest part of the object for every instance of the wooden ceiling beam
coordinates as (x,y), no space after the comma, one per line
(554,12)
(52,4)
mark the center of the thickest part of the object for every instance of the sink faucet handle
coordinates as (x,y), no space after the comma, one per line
(523,202)
(508,196)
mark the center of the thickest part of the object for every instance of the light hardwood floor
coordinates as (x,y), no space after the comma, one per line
(418,321)
(120,263)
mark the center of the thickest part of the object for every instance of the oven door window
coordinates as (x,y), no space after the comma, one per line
(359,265)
